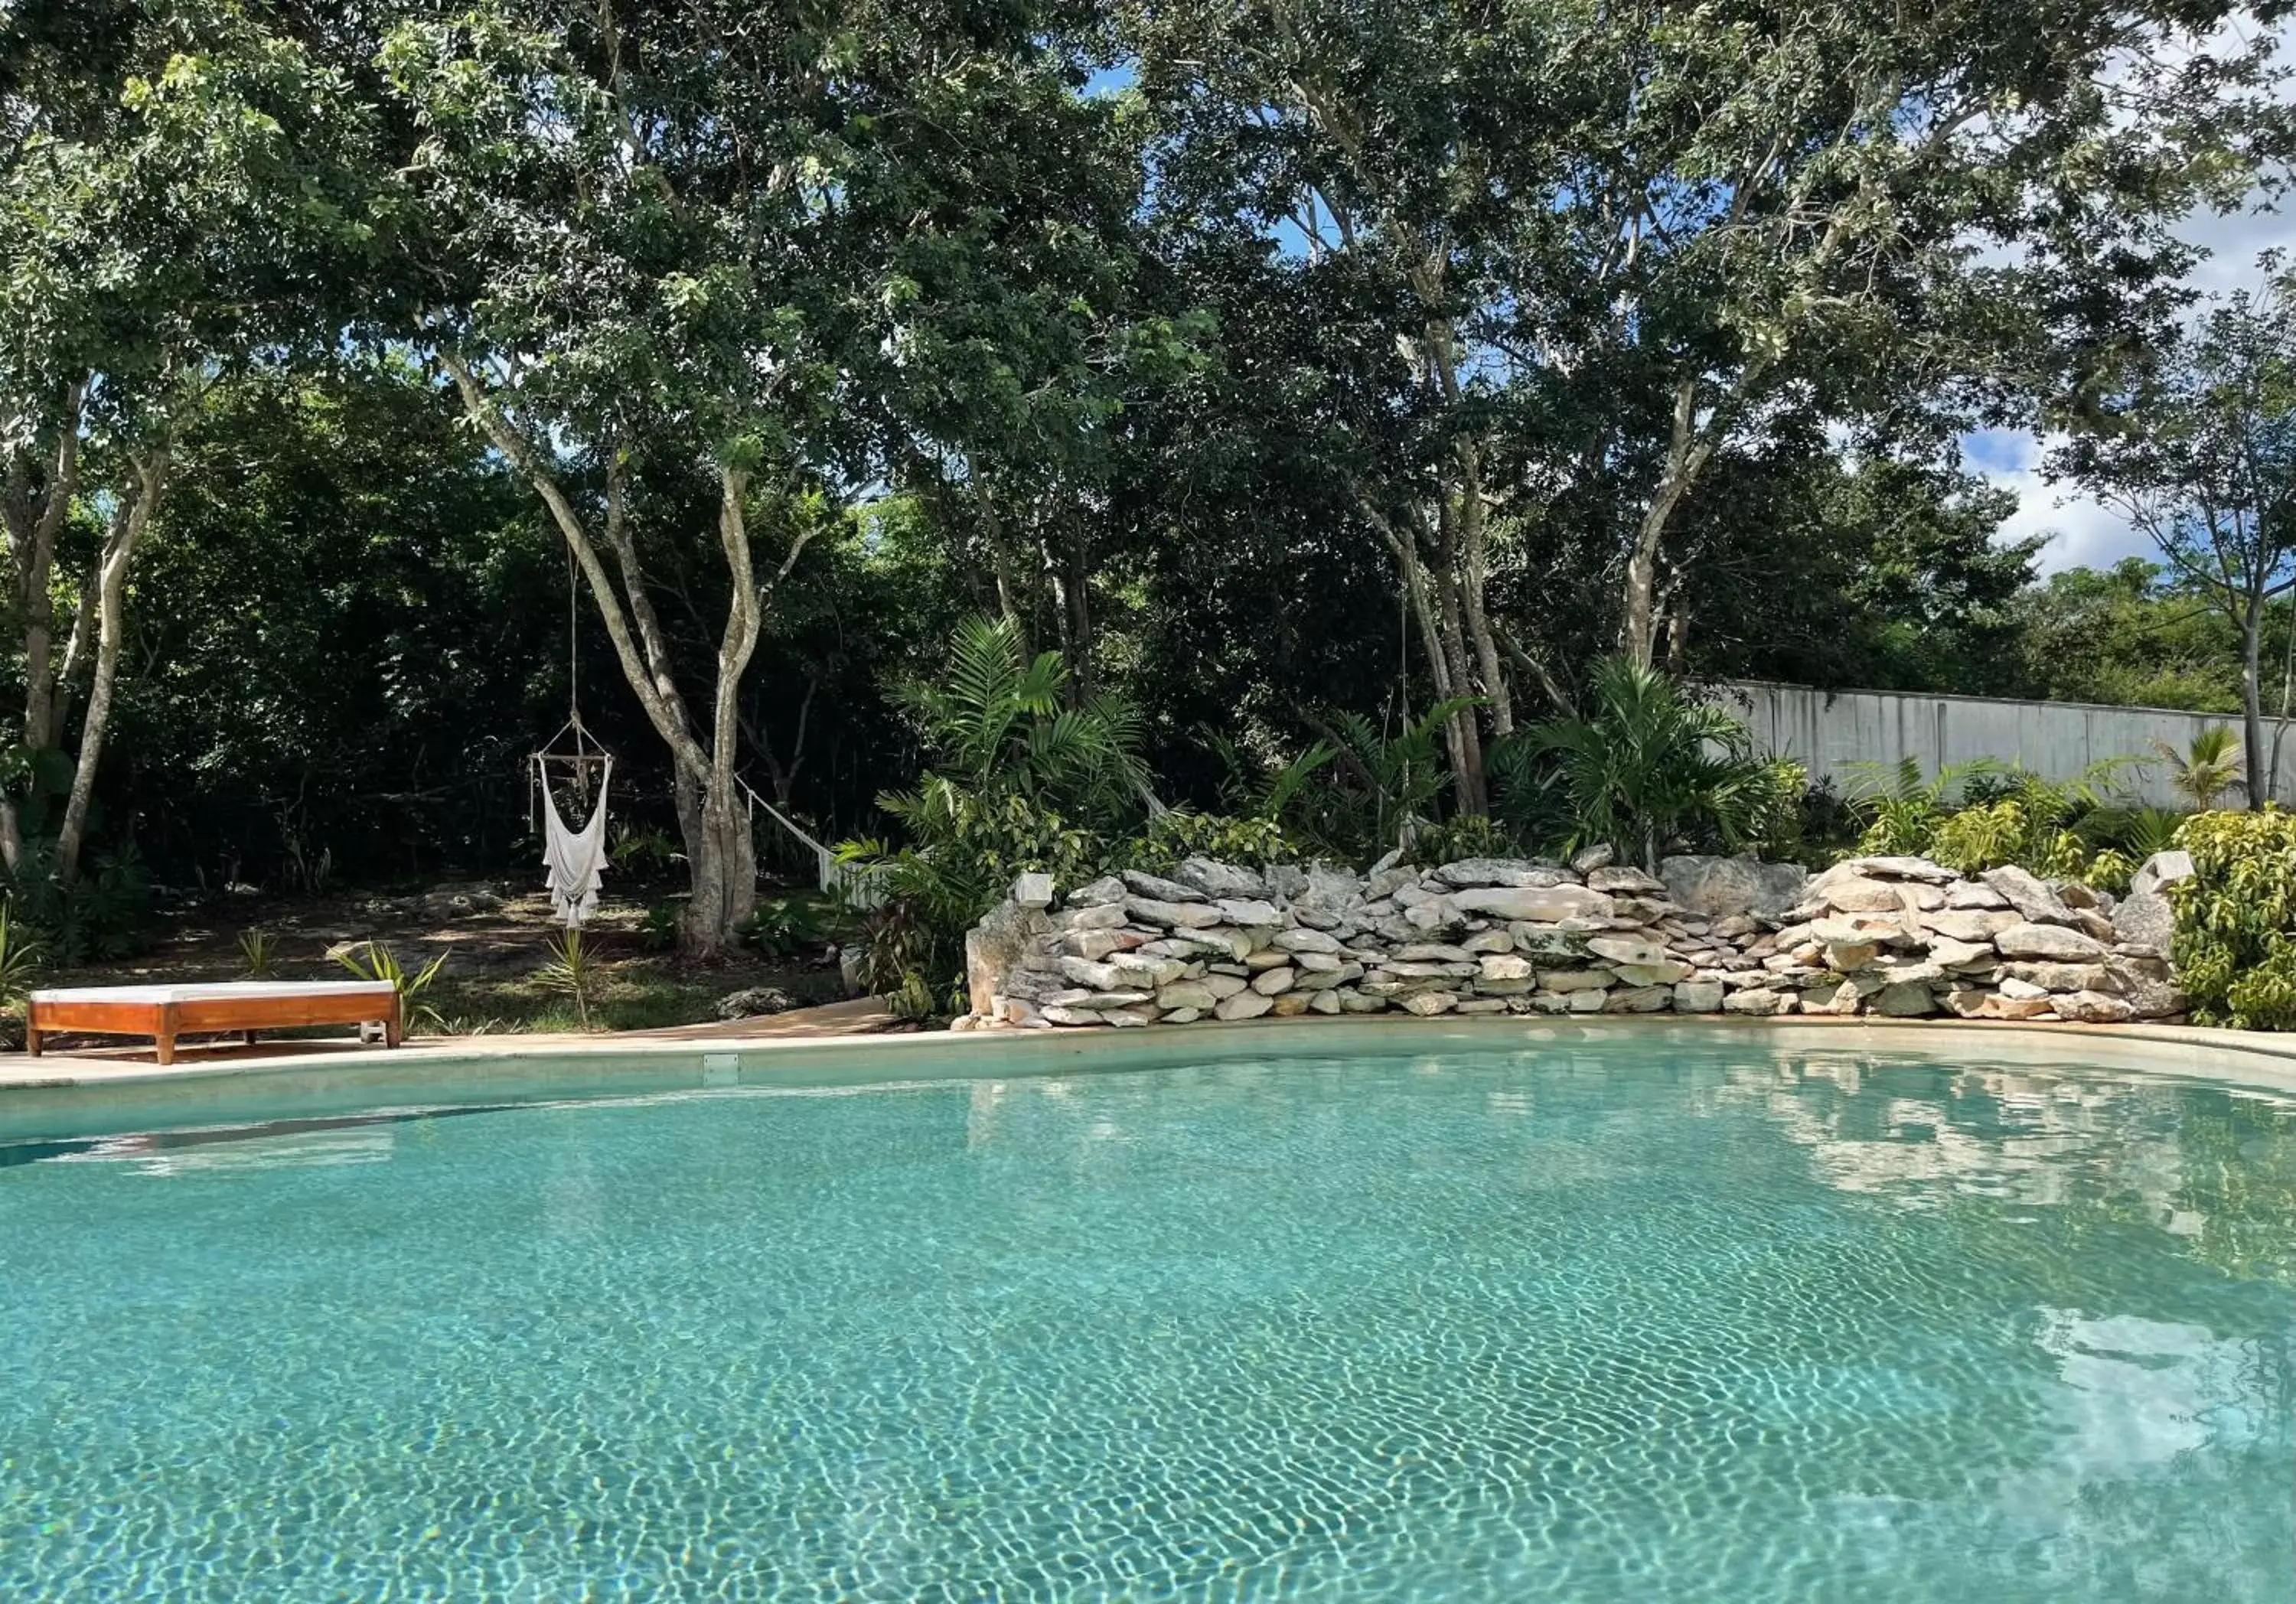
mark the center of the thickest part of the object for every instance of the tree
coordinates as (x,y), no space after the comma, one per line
(172,206)
(2197,448)
(2206,769)
(663,242)
(1554,261)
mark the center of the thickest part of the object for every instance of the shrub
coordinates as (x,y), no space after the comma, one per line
(781,926)
(2236,941)
(1652,761)
(1180,833)
(372,961)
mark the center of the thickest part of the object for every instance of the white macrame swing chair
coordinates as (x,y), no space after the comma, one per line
(573,860)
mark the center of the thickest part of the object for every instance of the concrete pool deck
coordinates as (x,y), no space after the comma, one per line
(840,1047)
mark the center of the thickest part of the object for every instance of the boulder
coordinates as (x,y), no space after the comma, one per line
(1541,904)
(1905,1000)
(1723,887)
(1470,873)
(1060,1015)
(1503,966)
(1219,880)
(1665,972)
(2158,873)
(2094,1008)
(1633,881)
(1182,1016)
(1106,889)
(1274,982)
(1973,894)
(2146,916)
(1305,941)
(2052,942)
(1171,915)
(2030,897)
(2060,977)
(1627,949)
(752,1002)
(1969,924)
(2146,982)
(1854,894)
(1588,859)
(1698,996)
(1155,886)
(1759,1001)
(1243,1005)
(1249,911)
(1638,999)
(1573,981)
(1904,868)
(995,947)
(1187,995)
(1429,1004)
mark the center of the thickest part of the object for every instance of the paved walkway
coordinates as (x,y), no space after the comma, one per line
(864,1016)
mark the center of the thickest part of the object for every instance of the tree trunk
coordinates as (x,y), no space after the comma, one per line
(2252,703)
(721,864)
(128,522)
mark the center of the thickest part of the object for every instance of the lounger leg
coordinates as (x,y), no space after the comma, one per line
(32,1040)
(393,1031)
(164,1046)
(247,1038)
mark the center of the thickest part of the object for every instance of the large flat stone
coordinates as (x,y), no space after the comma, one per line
(2054,942)
(1721,887)
(2030,897)
(1543,904)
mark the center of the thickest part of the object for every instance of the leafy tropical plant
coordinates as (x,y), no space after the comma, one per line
(1652,761)
(255,955)
(571,971)
(1384,782)
(372,961)
(643,849)
(2235,946)
(783,927)
(1020,781)
(657,930)
(2209,768)
(22,956)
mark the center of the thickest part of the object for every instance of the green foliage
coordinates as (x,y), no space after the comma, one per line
(1986,813)
(1652,762)
(783,927)
(100,916)
(255,955)
(571,971)
(657,930)
(2208,768)
(1179,834)
(1379,781)
(2235,942)
(644,850)
(22,956)
(372,961)
(1465,836)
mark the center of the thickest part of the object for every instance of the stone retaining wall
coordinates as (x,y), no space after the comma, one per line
(1896,936)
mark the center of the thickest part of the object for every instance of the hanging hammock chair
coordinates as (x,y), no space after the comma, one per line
(573,764)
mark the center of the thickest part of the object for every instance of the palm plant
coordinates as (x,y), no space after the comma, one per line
(255,955)
(2209,767)
(22,954)
(1017,780)
(1386,783)
(571,971)
(372,961)
(1651,762)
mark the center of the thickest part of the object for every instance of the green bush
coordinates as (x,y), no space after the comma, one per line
(1181,832)
(2236,941)
(783,927)
(1981,815)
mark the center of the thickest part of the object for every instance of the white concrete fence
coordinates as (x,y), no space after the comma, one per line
(1834,731)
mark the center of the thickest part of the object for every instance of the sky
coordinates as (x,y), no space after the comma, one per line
(2084,534)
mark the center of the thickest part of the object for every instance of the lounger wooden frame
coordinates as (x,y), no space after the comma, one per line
(165,1013)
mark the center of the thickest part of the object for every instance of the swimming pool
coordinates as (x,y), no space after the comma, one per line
(1594,1322)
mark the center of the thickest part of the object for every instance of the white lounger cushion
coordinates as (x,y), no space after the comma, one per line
(215,991)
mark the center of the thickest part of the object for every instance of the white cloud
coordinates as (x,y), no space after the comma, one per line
(2081,531)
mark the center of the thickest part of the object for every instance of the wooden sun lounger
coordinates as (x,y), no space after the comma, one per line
(164,1012)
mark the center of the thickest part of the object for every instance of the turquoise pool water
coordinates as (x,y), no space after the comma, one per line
(1480,1326)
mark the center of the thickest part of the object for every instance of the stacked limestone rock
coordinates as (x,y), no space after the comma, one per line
(1898,937)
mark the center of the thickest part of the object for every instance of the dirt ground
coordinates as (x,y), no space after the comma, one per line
(496,940)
